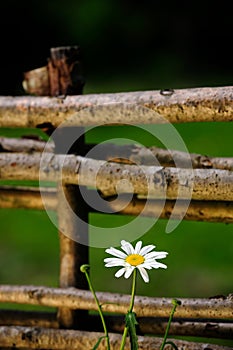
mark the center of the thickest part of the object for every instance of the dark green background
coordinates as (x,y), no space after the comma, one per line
(126,46)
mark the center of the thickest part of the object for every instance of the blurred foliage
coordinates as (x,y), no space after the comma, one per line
(126,46)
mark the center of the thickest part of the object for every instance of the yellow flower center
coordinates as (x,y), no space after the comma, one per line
(135,259)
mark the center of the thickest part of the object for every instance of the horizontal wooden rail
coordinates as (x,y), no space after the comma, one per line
(142,107)
(28,318)
(43,338)
(111,178)
(11,144)
(28,197)
(210,211)
(130,154)
(221,308)
(146,325)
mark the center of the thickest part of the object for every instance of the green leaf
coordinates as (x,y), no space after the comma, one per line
(131,322)
(98,342)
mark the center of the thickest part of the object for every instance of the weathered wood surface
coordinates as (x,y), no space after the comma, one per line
(61,76)
(112,178)
(146,325)
(28,197)
(42,338)
(130,154)
(39,199)
(221,308)
(141,107)
(27,145)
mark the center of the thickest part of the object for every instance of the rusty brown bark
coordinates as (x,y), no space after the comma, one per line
(143,107)
(61,76)
(212,308)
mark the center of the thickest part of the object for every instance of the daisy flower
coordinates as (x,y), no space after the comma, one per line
(130,258)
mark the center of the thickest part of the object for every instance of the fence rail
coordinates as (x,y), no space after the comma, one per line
(143,107)
(206,181)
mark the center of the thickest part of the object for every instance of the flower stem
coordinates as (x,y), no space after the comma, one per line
(175,303)
(133,290)
(130,308)
(85,268)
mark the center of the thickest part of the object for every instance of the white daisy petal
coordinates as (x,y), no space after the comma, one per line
(144,274)
(120,272)
(146,266)
(146,249)
(138,247)
(156,255)
(129,271)
(113,259)
(158,265)
(114,262)
(116,252)
(127,247)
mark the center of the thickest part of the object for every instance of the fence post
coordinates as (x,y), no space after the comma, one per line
(65,77)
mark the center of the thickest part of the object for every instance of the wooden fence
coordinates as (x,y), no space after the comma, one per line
(72,327)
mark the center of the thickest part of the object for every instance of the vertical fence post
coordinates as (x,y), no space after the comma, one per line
(65,77)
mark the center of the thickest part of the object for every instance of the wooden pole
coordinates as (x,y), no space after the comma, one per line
(111,178)
(146,325)
(65,79)
(42,338)
(209,211)
(219,307)
(141,107)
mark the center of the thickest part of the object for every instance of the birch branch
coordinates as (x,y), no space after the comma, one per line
(179,326)
(221,308)
(39,338)
(147,325)
(171,158)
(28,197)
(28,318)
(129,154)
(210,211)
(142,107)
(8,144)
(112,178)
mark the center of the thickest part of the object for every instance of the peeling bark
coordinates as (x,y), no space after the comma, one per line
(221,308)
(142,107)
(111,178)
